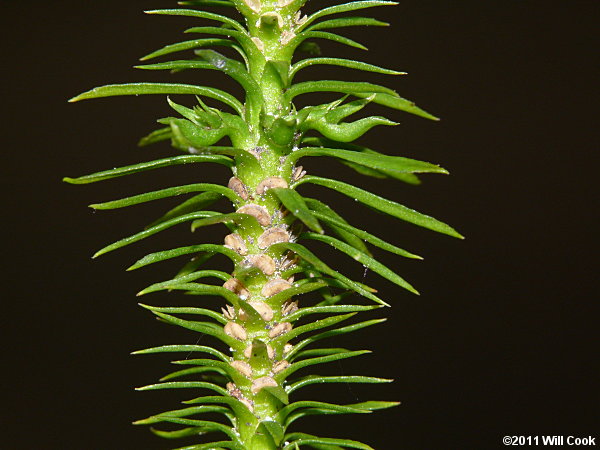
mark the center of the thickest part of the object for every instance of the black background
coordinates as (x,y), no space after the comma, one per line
(501,341)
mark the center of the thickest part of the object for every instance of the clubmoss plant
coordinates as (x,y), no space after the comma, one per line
(265,334)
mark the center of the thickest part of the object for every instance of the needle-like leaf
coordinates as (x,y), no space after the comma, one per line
(307,381)
(113,90)
(346,7)
(364,259)
(384,205)
(348,63)
(135,168)
(347,22)
(168,254)
(310,258)
(200,14)
(187,45)
(165,193)
(296,205)
(374,161)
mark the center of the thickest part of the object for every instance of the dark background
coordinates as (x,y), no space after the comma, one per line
(501,341)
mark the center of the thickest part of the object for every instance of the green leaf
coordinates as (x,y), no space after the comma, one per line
(157,164)
(333,309)
(330,333)
(208,328)
(242,38)
(184,385)
(177,65)
(246,221)
(234,69)
(285,412)
(277,71)
(213,445)
(174,253)
(203,426)
(332,282)
(364,406)
(375,405)
(347,22)
(153,230)
(314,352)
(206,289)
(307,381)
(183,348)
(310,258)
(337,111)
(320,411)
(200,14)
(366,236)
(330,299)
(187,310)
(328,215)
(194,264)
(346,131)
(177,434)
(184,412)
(363,170)
(204,3)
(189,136)
(345,87)
(286,294)
(374,161)
(169,192)
(297,439)
(196,288)
(405,177)
(278,392)
(196,371)
(313,326)
(296,205)
(243,158)
(233,374)
(348,63)
(274,429)
(362,258)
(300,38)
(241,411)
(113,90)
(346,7)
(396,102)
(187,45)
(314,361)
(185,279)
(207,218)
(193,204)
(162,134)
(325,447)
(384,205)
(201,115)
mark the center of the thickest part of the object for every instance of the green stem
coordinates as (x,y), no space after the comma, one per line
(260,356)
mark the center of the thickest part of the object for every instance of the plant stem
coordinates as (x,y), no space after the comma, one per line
(262,272)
